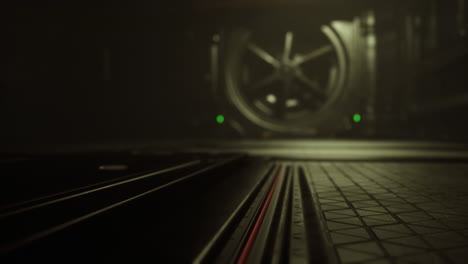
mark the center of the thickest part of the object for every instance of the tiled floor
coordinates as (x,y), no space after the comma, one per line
(382,212)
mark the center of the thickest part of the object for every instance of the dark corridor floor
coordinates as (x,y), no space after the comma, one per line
(226,208)
(393,212)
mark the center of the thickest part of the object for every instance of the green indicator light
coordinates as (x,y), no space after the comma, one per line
(357,118)
(220,119)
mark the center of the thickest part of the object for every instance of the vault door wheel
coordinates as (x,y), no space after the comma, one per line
(284,80)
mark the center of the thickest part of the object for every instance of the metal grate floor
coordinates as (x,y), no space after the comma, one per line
(236,209)
(392,212)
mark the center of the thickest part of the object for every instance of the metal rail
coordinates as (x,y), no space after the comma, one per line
(49,231)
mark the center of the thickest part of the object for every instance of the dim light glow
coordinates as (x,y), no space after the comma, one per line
(220,119)
(357,118)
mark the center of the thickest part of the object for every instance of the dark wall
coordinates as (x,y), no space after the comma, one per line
(422,65)
(74,73)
